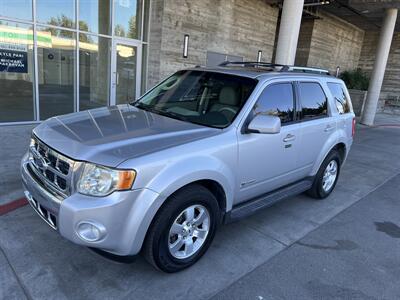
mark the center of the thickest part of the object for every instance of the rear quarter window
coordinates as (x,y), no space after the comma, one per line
(342,102)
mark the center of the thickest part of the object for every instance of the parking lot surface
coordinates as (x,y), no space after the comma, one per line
(354,256)
(344,246)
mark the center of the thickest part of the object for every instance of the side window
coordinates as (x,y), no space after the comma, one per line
(313,100)
(276,100)
(342,103)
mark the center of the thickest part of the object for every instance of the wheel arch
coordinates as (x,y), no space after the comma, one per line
(342,150)
(216,189)
(217,184)
(212,185)
(338,145)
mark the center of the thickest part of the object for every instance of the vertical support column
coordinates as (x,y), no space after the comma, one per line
(292,11)
(102,73)
(378,72)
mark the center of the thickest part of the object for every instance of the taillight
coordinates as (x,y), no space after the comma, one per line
(353,127)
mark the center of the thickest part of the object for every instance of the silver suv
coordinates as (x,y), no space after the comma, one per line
(204,147)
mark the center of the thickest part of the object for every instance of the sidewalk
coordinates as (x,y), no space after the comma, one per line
(14,143)
(37,263)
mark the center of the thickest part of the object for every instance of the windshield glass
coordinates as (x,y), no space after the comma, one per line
(201,97)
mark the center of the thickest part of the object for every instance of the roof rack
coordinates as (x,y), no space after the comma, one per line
(308,70)
(276,67)
(251,64)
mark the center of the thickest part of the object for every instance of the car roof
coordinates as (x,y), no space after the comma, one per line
(261,73)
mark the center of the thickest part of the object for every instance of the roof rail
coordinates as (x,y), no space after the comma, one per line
(251,64)
(307,70)
(279,67)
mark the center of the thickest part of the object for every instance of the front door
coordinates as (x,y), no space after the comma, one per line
(125,71)
(269,161)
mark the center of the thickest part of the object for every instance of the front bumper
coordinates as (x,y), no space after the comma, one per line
(123,216)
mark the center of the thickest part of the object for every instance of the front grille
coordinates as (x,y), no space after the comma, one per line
(44,213)
(50,168)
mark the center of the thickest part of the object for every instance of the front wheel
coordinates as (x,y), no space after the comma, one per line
(183,229)
(327,176)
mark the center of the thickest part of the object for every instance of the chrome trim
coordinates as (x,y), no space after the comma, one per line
(50,189)
(310,69)
(50,172)
(49,195)
(38,209)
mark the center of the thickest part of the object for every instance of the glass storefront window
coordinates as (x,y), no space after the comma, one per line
(19,9)
(127,18)
(57,13)
(16,72)
(88,54)
(56,62)
(126,73)
(95,16)
(94,71)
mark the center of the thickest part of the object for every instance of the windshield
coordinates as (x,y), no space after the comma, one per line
(201,97)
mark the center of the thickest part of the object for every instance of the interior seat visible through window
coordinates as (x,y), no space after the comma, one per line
(228,102)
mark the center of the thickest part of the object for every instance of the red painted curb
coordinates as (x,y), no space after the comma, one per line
(13,205)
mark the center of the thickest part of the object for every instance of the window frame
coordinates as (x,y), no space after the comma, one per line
(299,106)
(295,100)
(348,100)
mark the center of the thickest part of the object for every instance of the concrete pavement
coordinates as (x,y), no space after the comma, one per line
(37,263)
(14,141)
(354,256)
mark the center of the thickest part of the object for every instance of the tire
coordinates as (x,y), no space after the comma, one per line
(319,189)
(159,249)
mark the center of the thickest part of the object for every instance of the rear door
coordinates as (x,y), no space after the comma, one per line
(268,161)
(316,123)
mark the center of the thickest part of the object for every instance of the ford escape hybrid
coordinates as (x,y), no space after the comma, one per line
(204,147)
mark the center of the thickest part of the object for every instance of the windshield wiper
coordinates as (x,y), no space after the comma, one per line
(144,107)
(170,114)
(161,112)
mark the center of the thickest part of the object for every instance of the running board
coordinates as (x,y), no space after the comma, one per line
(250,207)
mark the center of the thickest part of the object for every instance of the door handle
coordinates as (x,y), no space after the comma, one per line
(329,128)
(289,138)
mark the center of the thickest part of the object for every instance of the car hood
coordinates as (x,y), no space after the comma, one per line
(111,135)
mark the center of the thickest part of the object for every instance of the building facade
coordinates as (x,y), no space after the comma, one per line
(58,57)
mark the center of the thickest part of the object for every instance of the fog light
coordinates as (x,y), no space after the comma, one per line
(90,231)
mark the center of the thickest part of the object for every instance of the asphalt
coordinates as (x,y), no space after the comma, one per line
(343,247)
(354,256)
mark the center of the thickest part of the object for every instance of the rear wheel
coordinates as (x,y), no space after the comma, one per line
(327,176)
(183,229)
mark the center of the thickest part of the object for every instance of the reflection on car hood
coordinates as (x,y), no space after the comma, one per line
(110,135)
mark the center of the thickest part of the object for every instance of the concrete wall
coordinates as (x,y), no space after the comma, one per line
(391,85)
(235,27)
(304,42)
(329,42)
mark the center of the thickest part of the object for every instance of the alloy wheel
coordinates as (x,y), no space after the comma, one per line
(330,175)
(189,231)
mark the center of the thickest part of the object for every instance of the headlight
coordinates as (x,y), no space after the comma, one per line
(101,181)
